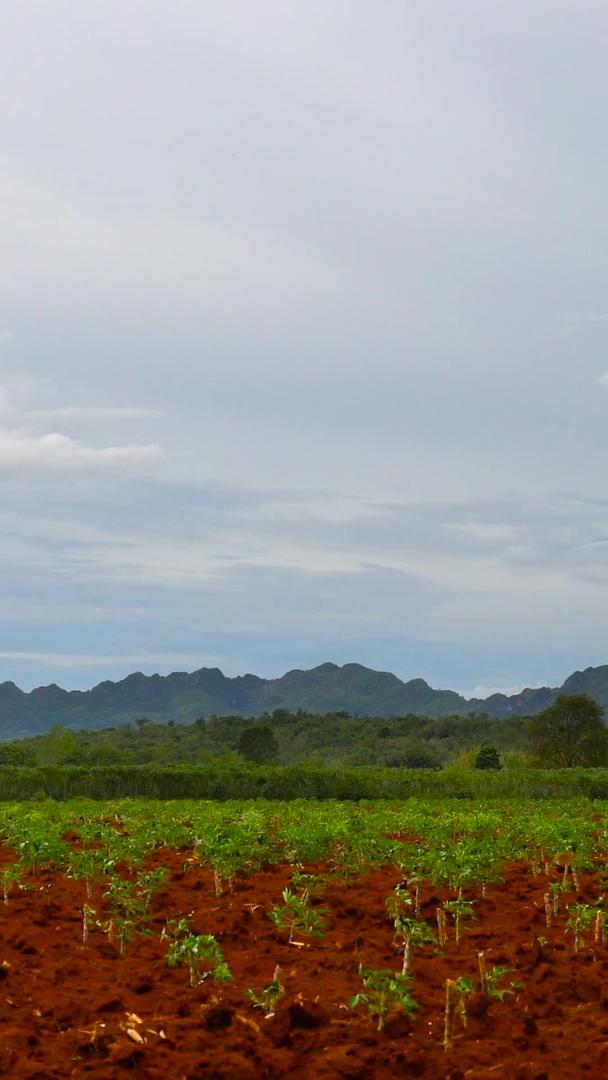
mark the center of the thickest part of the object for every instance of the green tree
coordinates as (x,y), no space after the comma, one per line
(14,753)
(58,747)
(105,752)
(569,732)
(488,758)
(257,743)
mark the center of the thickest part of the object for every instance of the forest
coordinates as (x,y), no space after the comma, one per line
(282,738)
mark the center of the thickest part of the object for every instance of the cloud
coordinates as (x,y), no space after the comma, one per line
(55,451)
(483,692)
(21,449)
(15,390)
(6,337)
(486,531)
(321,506)
(185,660)
(89,413)
(401,591)
(346,274)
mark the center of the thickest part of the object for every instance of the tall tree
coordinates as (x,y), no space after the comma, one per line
(258,743)
(569,732)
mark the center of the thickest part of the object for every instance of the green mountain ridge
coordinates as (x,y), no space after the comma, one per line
(183,697)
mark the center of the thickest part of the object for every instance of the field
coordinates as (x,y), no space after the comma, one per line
(245,940)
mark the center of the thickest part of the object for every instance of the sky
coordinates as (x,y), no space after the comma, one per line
(303,338)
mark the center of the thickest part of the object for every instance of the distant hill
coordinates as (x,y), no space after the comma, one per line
(183,697)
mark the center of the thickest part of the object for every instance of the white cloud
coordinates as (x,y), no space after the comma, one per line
(21,449)
(327,507)
(486,531)
(55,451)
(90,413)
(77,660)
(484,692)
(603,379)
(6,337)
(16,390)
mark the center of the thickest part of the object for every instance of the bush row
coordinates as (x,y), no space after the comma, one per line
(241,781)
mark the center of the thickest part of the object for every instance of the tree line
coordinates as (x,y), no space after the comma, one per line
(568,733)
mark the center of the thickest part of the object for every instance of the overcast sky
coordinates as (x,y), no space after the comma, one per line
(303,338)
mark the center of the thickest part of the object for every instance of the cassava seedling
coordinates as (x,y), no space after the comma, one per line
(580,917)
(202,955)
(129,901)
(442,935)
(399,904)
(490,979)
(459,910)
(556,887)
(270,996)
(384,991)
(89,864)
(411,880)
(411,934)
(308,885)
(298,917)
(11,875)
(456,992)
(88,913)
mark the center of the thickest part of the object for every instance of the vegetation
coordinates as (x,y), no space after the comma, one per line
(226,780)
(201,954)
(310,890)
(297,916)
(384,990)
(182,698)
(570,732)
(487,758)
(302,755)
(258,743)
(283,737)
(268,998)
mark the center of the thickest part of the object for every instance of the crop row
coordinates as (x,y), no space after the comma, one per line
(462,852)
(445,858)
(449,842)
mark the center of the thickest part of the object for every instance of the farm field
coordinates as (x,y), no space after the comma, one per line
(239,940)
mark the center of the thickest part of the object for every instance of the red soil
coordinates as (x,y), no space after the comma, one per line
(73,1010)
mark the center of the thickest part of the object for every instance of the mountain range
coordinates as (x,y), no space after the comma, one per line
(183,697)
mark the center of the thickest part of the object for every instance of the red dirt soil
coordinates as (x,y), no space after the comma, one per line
(68,1009)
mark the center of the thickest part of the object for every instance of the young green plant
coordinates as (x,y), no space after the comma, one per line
(383,992)
(269,997)
(201,953)
(296,916)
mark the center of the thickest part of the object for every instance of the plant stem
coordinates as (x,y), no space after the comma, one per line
(481,960)
(448,1037)
(406,957)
